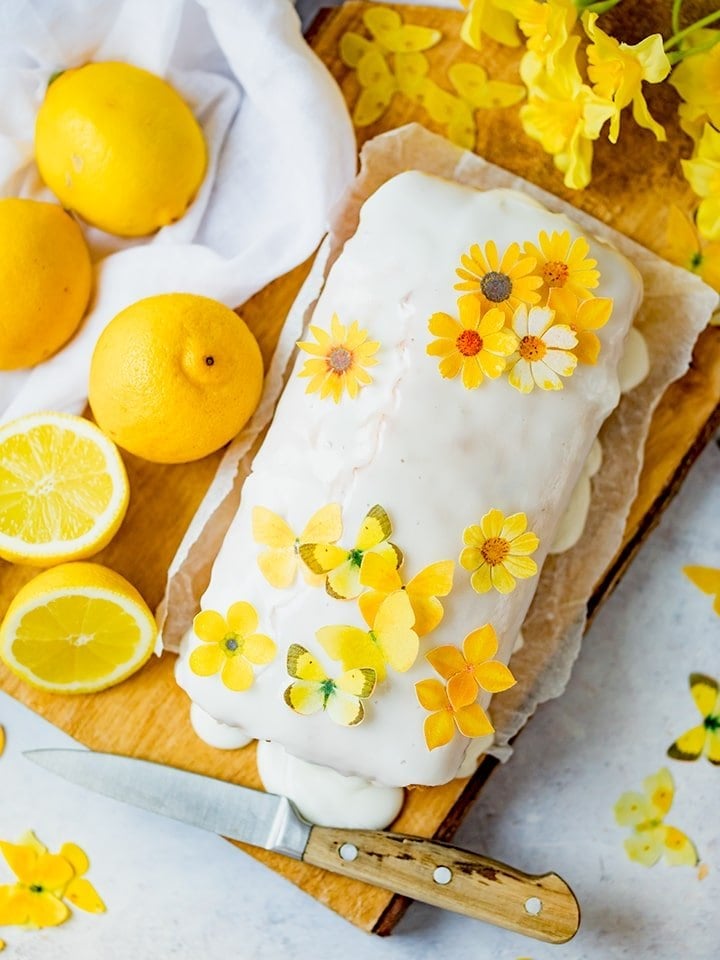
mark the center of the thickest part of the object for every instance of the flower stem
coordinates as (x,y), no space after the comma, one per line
(698,25)
(676,15)
(675,56)
(597,6)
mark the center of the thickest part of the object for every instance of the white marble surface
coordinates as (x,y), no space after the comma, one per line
(176,892)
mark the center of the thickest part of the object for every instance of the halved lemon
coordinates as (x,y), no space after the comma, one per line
(63,489)
(77,628)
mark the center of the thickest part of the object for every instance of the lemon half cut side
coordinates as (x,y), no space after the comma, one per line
(63,489)
(77,628)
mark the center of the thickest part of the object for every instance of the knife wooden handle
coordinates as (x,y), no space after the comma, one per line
(543,907)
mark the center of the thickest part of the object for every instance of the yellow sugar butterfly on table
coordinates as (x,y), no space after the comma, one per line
(313,690)
(705,737)
(383,578)
(708,580)
(341,566)
(390,642)
(280,561)
(652,838)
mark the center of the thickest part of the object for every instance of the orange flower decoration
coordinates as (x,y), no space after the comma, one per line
(583,319)
(444,719)
(504,282)
(472,670)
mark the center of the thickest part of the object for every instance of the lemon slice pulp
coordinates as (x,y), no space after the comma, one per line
(63,489)
(77,628)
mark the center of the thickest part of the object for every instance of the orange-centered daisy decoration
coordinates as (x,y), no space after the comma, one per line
(497,551)
(473,669)
(505,281)
(544,353)
(563,263)
(230,646)
(339,360)
(475,345)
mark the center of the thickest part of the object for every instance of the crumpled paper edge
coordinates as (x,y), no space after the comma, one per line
(556,620)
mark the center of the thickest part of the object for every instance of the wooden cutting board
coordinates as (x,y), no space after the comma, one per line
(147,716)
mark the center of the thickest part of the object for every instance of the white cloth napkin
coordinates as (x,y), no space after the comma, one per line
(281,152)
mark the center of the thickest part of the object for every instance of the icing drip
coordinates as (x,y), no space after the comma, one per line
(216,734)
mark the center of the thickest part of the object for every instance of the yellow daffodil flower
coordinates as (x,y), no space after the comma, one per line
(489,17)
(697,80)
(564,114)
(36,898)
(617,71)
(687,249)
(547,25)
(703,174)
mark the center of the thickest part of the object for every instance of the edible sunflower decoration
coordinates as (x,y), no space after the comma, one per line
(506,281)
(564,263)
(475,345)
(497,550)
(339,360)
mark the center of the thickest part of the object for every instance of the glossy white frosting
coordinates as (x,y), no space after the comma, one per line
(434,454)
(216,734)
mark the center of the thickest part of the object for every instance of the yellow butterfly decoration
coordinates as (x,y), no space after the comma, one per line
(384,579)
(391,641)
(652,838)
(280,561)
(393,35)
(313,690)
(340,566)
(708,580)
(705,737)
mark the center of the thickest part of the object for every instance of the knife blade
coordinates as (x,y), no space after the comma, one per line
(543,907)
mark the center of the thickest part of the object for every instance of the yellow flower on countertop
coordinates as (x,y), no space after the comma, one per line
(706,579)
(703,739)
(313,690)
(476,345)
(651,838)
(340,566)
(230,646)
(547,25)
(339,360)
(499,281)
(563,114)
(697,80)
(389,31)
(80,892)
(378,86)
(583,318)
(390,642)
(473,669)
(563,262)
(617,71)
(703,174)
(439,728)
(685,247)
(545,350)
(280,561)
(497,550)
(489,17)
(36,898)
(383,579)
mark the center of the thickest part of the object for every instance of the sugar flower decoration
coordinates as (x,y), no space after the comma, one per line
(617,71)
(440,727)
(703,739)
(473,669)
(544,353)
(390,33)
(685,247)
(339,360)
(583,319)
(313,690)
(697,80)
(563,263)
(489,17)
(497,551)
(708,580)
(703,174)
(480,92)
(279,563)
(476,345)
(390,642)
(340,566)
(505,281)
(383,580)
(652,838)
(546,25)
(231,646)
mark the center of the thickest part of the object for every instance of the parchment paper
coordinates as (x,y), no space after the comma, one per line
(675,308)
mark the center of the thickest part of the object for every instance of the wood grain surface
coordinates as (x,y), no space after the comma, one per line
(147,716)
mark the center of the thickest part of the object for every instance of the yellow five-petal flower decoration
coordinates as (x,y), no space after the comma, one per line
(383,579)
(473,669)
(476,345)
(230,645)
(497,550)
(313,690)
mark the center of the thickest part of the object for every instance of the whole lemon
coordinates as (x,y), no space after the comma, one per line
(174,377)
(45,281)
(118,145)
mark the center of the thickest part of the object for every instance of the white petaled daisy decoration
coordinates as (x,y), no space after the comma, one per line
(544,353)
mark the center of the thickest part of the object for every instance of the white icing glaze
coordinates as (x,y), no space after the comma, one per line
(216,734)
(475,749)
(324,796)
(634,363)
(572,522)
(435,455)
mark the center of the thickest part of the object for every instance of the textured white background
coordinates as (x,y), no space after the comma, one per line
(176,892)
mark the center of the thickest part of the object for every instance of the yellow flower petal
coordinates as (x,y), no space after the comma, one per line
(450,366)
(473,536)
(21,860)
(209,626)
(494,676)
(431,695)
(513,526)
(206,661)
(492,523)
(76,857)
(481,580)
(242,618)
(471,558)
(462,689)
(471,374)
(480,644)
(83,895)
(447,661)
(46,910)
(439,729)
(259,649)
(520,567)
(237,674)
(501,579)
(472,721)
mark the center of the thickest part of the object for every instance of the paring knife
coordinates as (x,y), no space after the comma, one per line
(543,907)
